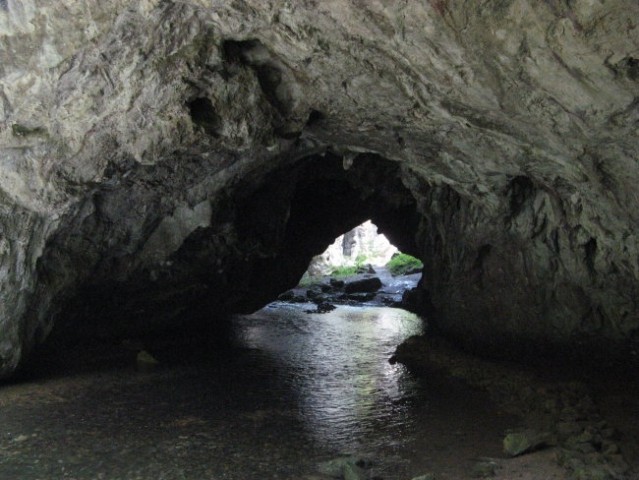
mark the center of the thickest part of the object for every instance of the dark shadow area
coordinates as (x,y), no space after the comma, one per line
(203,115)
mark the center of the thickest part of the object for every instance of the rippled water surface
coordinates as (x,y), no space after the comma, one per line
(296,389)
(348,394)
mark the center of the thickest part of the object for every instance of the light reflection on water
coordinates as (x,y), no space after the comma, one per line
(348,396)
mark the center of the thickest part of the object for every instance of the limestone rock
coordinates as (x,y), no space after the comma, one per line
(362,242)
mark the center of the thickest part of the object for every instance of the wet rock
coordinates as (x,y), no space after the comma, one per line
(358,297)
(325,307)
(524,442)
(592,473)
(427,476)
(292,297)
(322,307)
(21,438)
(337,284)
(312,294)
(286,296)
(347,468)
(363,285)
(484,469)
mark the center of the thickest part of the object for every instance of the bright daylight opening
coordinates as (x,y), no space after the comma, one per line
(360,266)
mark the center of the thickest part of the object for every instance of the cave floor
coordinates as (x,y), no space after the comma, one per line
(173,424)
(245,411)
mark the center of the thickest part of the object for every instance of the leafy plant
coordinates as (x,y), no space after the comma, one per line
(404,264)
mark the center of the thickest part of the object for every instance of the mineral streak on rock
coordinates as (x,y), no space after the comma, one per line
(158,157)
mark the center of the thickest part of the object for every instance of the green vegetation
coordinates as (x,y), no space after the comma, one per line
(22,131)
(350,270)
(403,264)
(345,271)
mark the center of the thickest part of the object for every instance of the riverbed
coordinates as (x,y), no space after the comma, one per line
(288,392)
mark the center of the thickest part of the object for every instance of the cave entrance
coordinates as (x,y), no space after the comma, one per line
(353,252)
(359,266)
(239,249)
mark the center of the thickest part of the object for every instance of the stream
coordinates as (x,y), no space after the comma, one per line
(293,391)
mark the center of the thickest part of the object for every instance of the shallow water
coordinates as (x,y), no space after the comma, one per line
(348,395)
(297,389)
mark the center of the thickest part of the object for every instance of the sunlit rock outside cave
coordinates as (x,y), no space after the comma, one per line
(361,245)
(169,170)
(359,267)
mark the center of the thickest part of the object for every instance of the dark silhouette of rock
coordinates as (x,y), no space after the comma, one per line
(363,285)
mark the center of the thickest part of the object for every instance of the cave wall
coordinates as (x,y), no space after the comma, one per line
(127,128)
(530,279)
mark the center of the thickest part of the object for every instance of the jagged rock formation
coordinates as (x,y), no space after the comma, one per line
(361,244)
(158,159)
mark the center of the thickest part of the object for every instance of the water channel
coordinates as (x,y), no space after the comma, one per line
(293,391)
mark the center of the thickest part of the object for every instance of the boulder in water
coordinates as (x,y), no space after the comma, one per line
(371,284)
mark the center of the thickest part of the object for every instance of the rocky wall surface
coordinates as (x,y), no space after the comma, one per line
(126,126)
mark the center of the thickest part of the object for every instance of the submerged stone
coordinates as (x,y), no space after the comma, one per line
(347,468)
(484,469)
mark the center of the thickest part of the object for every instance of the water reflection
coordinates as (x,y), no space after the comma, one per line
(299,390)
(337,363)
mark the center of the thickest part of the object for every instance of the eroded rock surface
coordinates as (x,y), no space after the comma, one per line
(159,157)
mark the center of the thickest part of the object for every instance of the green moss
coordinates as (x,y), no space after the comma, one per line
(403,264)
(22,131)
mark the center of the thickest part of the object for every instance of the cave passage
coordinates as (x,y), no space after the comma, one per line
(240,253)
(151,364)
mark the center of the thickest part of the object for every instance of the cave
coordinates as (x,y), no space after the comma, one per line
(241,254)
(166,165)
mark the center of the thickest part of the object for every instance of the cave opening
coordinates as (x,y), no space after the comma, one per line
(213,260)
(360,267)
(323,377)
